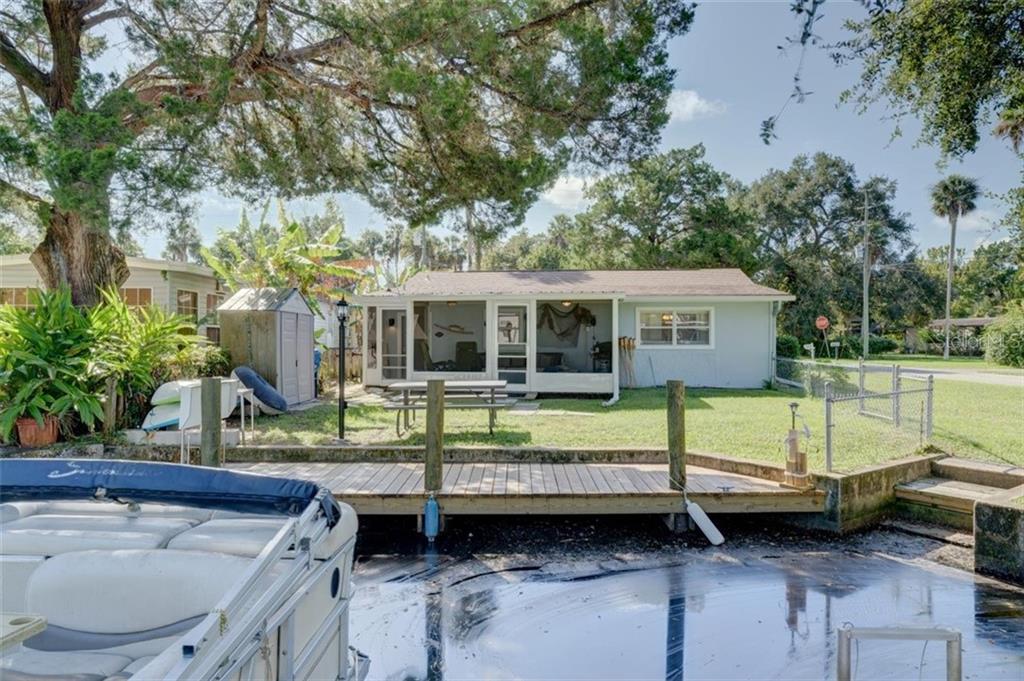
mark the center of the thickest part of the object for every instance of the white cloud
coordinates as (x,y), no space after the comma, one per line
(567,193)
(983,220)
(688,105)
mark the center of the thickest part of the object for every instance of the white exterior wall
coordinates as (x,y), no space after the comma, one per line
(743,338)
(164,284)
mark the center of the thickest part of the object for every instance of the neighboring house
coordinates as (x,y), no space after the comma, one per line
(563,331)
(187,289)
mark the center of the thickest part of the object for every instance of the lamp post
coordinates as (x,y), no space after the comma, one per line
(342,310)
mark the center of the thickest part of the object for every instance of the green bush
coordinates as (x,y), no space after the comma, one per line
(787,346)
(1004,338)
(850,346)
(56,359)
(199,360)
(47,365)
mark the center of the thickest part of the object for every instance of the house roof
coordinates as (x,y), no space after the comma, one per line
(629,283)
(963,321)
(260,300)
(133,264)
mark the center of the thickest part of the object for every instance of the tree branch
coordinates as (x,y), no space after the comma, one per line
(21,69)
(549,19)
(97,19)
(259,23)
(23,194)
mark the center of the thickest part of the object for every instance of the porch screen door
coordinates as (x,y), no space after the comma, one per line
(393,351)
(512,332)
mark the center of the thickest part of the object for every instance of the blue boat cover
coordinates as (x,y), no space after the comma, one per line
(45,479)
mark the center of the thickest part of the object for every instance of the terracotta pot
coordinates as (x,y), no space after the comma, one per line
(31,434)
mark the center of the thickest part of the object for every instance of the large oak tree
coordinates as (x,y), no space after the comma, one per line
(419,105)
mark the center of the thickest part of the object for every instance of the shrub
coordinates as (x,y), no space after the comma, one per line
(199,360)
(47,365)
(134,345)
(850,346)
(787,346)
(1004,338)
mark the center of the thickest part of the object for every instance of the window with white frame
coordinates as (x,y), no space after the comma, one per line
(674,327)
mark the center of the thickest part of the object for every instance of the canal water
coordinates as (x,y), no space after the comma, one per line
(624,599)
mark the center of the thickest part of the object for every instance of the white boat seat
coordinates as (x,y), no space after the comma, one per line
(22,509)
(49,535)
(36,665)
(129,602)
(237,536)
(15,572)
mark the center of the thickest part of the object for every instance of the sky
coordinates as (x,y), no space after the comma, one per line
(730,76)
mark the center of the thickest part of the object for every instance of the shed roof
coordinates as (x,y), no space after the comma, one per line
(261,299)
(632,283)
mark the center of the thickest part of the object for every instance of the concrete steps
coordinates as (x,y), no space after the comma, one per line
(942,493)
(948,496)
(1002,476)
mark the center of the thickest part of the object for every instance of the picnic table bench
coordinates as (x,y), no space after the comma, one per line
(483,394)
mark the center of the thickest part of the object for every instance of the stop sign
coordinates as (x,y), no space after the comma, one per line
(821,323)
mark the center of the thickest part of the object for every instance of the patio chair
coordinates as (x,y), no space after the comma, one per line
(467,358)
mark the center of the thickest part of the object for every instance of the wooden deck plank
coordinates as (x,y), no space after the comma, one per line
(529,488)
(536,479)
(501,478)
(613,484)
(406,470)
(487,480)
(476,477)
(589,486)
(450,476)
(562,479)
(575,481)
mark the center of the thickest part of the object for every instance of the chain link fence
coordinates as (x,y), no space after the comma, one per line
(871,412)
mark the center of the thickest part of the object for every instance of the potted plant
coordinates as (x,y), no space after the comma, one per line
(45,368)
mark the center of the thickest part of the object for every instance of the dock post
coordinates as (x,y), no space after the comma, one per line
(110,407)
(434,443)
(209,441)
(676,434)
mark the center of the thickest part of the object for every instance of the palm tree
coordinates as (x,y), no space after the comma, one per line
(183,243)
(1011,126)
(953,197)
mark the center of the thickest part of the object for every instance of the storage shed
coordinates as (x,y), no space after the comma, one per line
(271,330)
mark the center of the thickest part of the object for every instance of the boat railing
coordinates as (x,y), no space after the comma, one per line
(234,633)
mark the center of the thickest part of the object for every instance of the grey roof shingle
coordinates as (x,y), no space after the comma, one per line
(633,283)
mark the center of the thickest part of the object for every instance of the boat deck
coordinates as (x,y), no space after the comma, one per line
(543,488)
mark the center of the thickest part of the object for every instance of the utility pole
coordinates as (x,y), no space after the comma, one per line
(865,332)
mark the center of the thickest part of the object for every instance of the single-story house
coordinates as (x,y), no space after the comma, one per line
(185,288)
(586,332)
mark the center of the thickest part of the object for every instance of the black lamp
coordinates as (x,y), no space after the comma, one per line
(341,308)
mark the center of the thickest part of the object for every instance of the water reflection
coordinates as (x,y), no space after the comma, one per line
(671,613)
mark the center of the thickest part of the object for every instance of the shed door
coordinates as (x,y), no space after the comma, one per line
(289,357)
(305,357)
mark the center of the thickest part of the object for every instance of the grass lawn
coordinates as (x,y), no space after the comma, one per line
(953,363)
(977,421)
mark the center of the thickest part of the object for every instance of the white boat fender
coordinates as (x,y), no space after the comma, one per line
(704,522)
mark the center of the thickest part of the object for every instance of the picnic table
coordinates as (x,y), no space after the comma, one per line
(472,394)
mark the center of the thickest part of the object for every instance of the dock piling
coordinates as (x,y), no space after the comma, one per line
(676,434)
(434,443)
(209,440)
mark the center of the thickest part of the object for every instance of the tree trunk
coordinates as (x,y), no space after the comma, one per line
(478,244)
(949,279)
(75,255)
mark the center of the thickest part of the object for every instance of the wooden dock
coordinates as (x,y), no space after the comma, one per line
(543,488)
